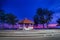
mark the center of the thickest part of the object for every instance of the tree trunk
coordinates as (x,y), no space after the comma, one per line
(43,25)
(13,26)
(47,25)
(3,26)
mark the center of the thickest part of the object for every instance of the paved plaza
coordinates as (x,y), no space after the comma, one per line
(30,35)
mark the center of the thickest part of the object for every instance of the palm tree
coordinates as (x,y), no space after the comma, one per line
(11,19)
(58,21)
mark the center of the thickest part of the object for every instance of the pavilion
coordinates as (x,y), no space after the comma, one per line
(26,24)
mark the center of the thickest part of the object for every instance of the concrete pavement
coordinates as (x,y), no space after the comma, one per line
(30,35)
(35,33)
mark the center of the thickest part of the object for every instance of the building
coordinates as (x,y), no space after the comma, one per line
(26,24)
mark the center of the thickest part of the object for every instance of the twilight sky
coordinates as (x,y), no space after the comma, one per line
(27,8)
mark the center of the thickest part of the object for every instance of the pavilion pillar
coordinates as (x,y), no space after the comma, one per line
(23,26)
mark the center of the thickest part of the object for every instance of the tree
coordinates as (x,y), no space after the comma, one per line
(11,19)
(58,22)
(48,16)
(39,18)
(44,16)
(36,20)
(2,17)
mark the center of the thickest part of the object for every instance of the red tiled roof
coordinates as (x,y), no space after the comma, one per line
(26,21)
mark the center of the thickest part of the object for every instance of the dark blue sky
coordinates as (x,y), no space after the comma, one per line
(27,8)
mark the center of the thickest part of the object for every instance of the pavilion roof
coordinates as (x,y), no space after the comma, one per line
(26,21)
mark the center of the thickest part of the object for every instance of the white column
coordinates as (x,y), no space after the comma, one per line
(23,26)
(30,26)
